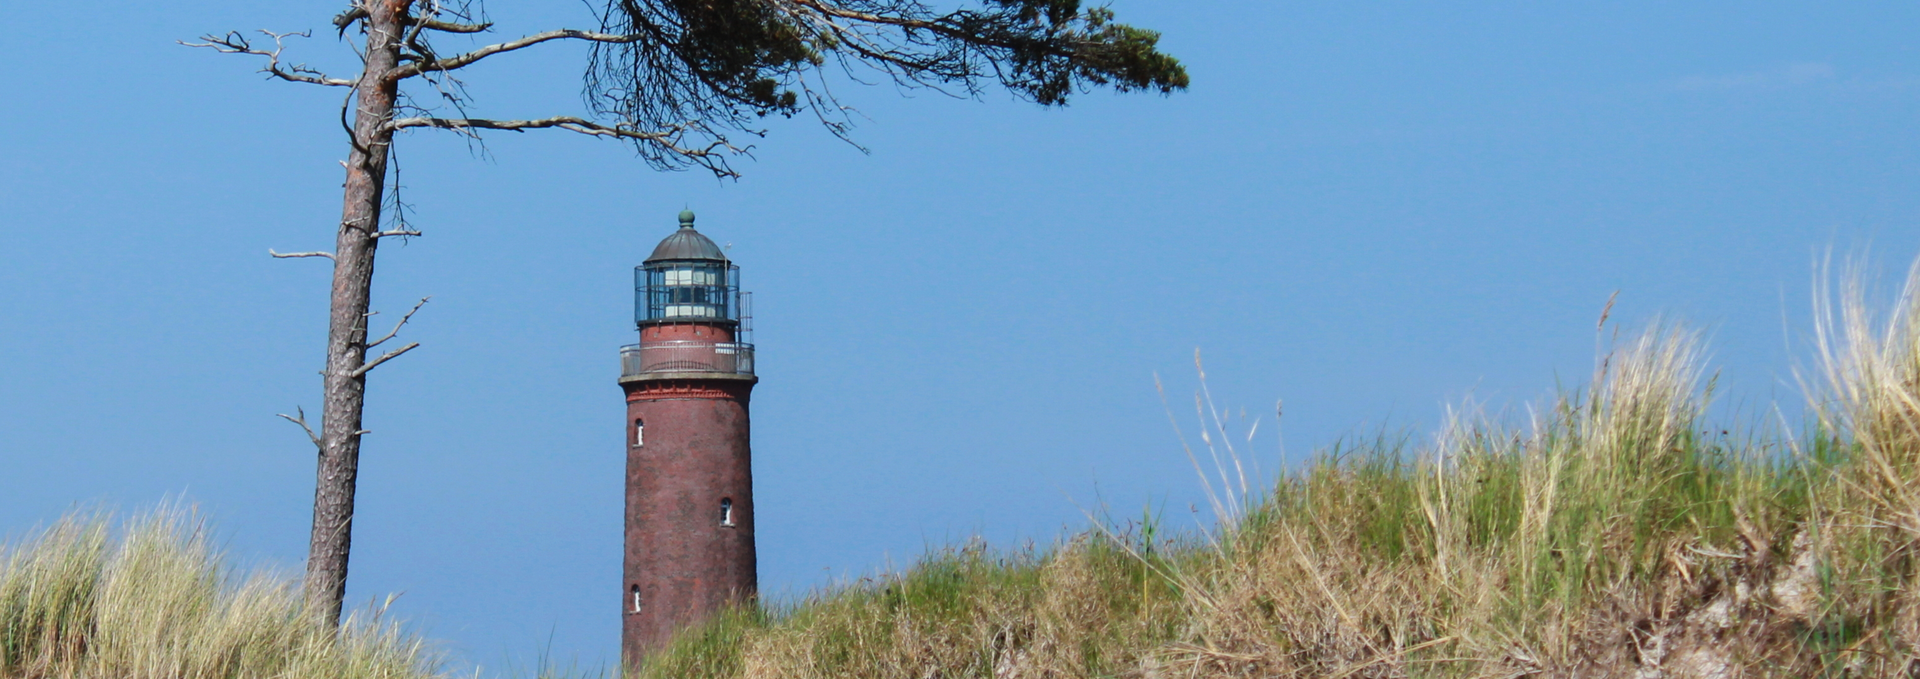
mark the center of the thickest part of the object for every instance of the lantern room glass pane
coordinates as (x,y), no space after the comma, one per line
(689,290)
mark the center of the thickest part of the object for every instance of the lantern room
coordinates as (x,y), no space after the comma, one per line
(687,279)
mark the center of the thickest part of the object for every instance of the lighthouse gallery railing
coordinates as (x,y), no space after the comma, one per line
(684,356)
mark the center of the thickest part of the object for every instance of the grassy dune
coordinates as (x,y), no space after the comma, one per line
(1611,532)
(152,600)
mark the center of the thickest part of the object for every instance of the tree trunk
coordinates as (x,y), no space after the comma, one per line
(345,385)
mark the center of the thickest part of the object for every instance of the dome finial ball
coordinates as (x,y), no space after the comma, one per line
(686,219)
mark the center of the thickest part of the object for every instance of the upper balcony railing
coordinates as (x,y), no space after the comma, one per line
(686,356)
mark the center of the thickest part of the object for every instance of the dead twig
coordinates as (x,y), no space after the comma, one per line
(375,363)
(402,323)
(296,255)
(235,43)
(301,419)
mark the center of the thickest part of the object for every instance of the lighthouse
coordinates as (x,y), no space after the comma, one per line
(689,512)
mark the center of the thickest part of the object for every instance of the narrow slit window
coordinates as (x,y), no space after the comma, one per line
(726,511)
(636,599)
(639,433)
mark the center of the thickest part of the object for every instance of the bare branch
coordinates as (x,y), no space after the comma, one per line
(346,19)
(293,255)
(710,156)
(575,124)
(900,21)
(235,43)
(396,232)
(375,363)
(450,27)
(401,324)
(301,420)
(464,60)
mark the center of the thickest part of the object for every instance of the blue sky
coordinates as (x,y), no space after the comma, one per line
(1367,210)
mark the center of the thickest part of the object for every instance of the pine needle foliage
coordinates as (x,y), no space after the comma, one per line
(714,66)
(1612,531)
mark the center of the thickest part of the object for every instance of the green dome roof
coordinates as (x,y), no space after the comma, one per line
(687,244)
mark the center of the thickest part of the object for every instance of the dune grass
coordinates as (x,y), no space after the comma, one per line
(1610,532)
(152,599)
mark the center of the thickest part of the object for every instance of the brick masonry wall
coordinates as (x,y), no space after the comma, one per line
(692,457)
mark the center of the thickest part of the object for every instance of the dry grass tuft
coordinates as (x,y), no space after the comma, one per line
(78,601)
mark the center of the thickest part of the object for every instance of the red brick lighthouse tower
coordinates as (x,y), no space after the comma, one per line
(689,478)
